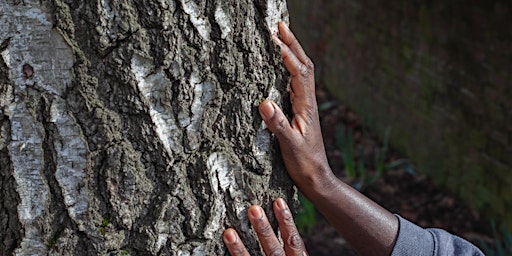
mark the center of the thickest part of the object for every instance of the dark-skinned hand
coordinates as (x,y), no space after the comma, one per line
(369,228)
(293,244)
(300,140)
(301,146)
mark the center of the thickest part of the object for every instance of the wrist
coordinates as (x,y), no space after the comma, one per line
(319,179)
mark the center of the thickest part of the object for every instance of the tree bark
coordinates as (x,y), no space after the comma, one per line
(131,127)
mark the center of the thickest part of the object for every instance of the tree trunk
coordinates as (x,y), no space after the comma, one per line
(131,127)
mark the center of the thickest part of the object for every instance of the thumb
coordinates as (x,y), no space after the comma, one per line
(275,120)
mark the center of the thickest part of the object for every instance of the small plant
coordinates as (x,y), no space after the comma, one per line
(502,245)
(380,155)
(354,164)
(103,227)
(52,243)
(105,222)
(305,218)
(102,231)
(345,142)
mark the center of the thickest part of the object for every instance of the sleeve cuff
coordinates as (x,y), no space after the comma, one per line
(413,240)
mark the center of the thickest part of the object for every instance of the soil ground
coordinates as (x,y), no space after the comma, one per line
(401,189)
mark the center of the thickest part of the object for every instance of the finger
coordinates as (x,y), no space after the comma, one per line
(276,121)
(302,76)
(266,236)
(234,244)
(293,244)
(292,62)
(291,41)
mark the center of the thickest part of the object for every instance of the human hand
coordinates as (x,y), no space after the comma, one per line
(293,244)
(300,140)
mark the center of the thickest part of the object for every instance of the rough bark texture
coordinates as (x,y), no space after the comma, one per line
(131,127)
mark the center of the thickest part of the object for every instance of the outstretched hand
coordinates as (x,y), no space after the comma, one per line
(300,140)
(369,228)
(293,244)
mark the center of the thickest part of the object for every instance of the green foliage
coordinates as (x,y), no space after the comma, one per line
(380,155)
(105,222)
(52,243)
(355,164)
(103,227)
(326,106)
(345,142)
(502,245)
(305,218)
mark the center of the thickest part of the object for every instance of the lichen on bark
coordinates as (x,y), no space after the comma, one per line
(137,129)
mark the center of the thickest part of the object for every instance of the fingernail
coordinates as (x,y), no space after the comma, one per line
(281,204)
(266,110)
(256,212)
(277,40)
(230,236)
(284,25)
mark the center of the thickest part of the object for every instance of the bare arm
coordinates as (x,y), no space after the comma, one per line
(368,227)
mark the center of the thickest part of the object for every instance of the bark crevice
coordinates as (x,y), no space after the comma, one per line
(148,128)
(9,223)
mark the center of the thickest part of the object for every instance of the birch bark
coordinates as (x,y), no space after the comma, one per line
(131,127)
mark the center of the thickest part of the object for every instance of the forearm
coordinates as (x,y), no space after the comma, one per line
(369,228)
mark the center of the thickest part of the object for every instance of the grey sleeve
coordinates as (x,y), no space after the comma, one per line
(414,240)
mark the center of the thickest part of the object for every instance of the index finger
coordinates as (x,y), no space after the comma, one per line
(291,41)
(293,244)
(234,244)
(266,236)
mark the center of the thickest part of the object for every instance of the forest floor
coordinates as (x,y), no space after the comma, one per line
(399,188)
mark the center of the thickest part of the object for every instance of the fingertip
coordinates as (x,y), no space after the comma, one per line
(281,204)
(276,40)
(282,26)
(230,236)
(255,212)
(267,110)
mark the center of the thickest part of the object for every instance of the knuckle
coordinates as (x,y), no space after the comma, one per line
(276,250)
(307,69)
(310,64)
(238,250)
(294,241)
(264,229)
(280,123)
(310,115)
(288,219)
(304,70)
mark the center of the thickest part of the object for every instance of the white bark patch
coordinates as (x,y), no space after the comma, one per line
(223,20)
(201,24)
(276,11)
(37,45)
(105,25)
(26,155)
(32,42)
(152,88)
(203,94)
(199,251)
(71,162)
(167,226)
(262,144)
(223,182)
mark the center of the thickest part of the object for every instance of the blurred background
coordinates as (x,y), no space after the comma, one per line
(416,105)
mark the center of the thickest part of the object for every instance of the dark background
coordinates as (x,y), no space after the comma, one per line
(436,73)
